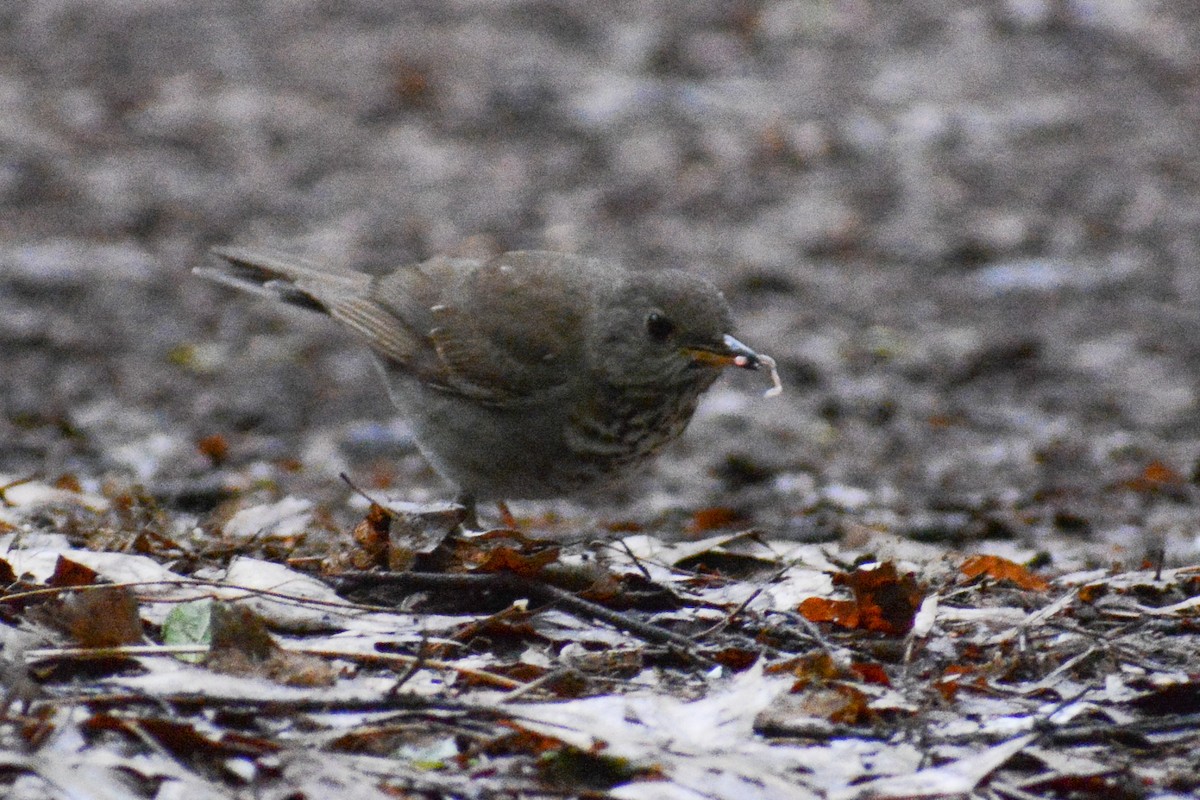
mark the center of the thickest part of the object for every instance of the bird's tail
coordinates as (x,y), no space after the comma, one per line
(286,278)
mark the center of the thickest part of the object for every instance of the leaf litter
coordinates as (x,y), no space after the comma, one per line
(416,660)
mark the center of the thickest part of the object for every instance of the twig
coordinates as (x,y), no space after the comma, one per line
(637,562)
(731,616)
(52,591)
(404,701)
(499,581)
(354,488)
(534,685)
(122,651)
(417,663)
(412,663)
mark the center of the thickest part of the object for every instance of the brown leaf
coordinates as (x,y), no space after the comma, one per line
(815,668)
(371,539)
(521,741)
(735,658)
(884,601)
(71,573)
(181,738)
(103,617)
(871,672)
(839,703)
(237,629)
(505,551)
(215,448)
(68,482)
(411,86)
(300,669)
(1001,569)
(242,645)
(708,519)
(1173,698)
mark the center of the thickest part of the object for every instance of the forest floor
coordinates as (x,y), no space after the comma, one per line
(957,556)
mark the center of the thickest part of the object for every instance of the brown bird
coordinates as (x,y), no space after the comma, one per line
(528,375)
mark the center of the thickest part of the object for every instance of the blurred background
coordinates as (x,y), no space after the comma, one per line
(967,230)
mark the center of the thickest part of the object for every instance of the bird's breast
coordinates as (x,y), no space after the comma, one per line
(617,427)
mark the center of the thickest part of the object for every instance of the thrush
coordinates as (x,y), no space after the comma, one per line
(528,375)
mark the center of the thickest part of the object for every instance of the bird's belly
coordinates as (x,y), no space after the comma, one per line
(536,451)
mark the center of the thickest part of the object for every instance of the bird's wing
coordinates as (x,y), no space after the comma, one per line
(508,331)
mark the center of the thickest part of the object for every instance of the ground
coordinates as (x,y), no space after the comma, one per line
(966,230)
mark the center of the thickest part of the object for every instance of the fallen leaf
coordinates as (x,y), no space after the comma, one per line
(242,645)
(504,551)
(103,617)
(707,519)
(371,540)
(884,601)
(1001,569)
(71,573)
(215,448)
(189,624)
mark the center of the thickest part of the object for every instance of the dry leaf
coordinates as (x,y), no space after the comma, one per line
(1001,569)
(241,645)
(71,573)
(103,617)
(884,601)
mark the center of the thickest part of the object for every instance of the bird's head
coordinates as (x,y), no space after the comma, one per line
(666,329)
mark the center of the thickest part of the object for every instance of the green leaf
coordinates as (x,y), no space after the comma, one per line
(189,623)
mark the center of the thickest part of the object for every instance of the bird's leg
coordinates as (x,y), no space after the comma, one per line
(506,517)
(471,519)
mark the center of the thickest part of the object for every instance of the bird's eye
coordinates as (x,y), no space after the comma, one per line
(659,327)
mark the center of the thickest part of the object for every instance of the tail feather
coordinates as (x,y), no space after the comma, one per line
(348,297)
(285,278)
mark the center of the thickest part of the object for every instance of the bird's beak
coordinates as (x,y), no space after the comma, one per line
(732,353)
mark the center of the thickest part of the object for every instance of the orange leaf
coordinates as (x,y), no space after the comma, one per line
(215,448)
(884,601)
(505,551)
(887,601)
(818,609)
(707,519)
(947,688)
(817,667)
(871,673)
(1158,472)
(1001,569)
(1156,477)
(955,677)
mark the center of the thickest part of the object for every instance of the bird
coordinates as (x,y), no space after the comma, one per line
(529,374)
